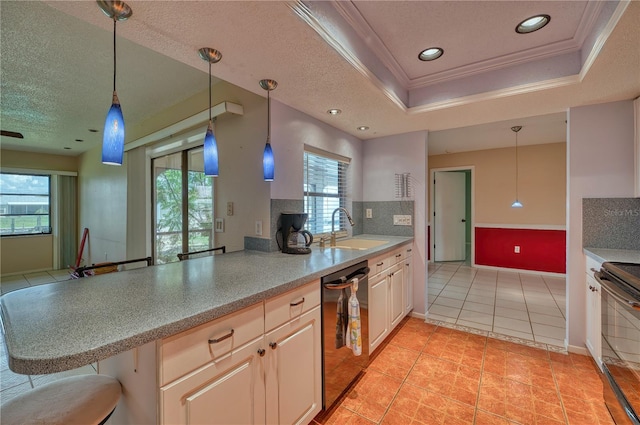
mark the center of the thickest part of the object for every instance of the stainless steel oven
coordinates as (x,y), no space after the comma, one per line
(620,304)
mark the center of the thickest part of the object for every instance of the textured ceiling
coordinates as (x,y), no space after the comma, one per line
(56,64)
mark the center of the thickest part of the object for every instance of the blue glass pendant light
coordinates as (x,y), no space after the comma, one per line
(268,163)
(516,203)
(210,144)
(113,134)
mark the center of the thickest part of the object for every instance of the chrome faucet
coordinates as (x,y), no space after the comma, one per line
(333,223)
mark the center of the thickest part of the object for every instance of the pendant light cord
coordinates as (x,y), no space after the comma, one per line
(114,54)
(209,90)
(516,165)
(268,116)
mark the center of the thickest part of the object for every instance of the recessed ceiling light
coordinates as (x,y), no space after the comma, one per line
(363,128)
(334,111)
(430,54)
(532,24)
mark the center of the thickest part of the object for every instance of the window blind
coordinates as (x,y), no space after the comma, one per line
(325,189)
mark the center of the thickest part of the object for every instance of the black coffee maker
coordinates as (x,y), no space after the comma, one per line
(294,239)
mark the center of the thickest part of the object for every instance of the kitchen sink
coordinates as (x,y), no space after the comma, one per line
(356,243)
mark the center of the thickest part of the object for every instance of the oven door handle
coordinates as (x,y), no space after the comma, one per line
(616,293)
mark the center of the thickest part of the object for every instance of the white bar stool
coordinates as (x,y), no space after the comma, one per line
(77,400)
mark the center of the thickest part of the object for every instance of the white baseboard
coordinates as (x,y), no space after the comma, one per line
(421,316)
(576,349)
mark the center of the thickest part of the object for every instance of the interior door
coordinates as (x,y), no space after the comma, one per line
(449,220)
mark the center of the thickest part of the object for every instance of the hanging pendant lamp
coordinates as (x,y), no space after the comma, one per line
(268,162)
(210,144)
(516,203)
(113,134)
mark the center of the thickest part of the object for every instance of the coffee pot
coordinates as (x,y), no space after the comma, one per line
(294,239)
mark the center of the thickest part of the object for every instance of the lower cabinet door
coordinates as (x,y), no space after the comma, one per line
(396,280)
(228,390)
(294,375)
(378,310)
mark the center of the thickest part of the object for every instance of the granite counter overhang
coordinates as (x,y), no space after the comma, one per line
(620,255)
(65,325)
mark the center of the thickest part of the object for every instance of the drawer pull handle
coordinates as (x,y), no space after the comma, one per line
(593,288)
(409,250)
(380,263)
(273,345)
(298,303)
(222,338)
(261,352)
(398,255)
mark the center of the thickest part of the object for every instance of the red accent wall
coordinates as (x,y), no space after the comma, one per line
(540,250)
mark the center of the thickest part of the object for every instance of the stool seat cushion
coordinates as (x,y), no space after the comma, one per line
(81,400)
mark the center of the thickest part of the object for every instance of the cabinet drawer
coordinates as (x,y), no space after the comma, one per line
(396,257)
(408,250)
(378,264)
(292,304)
(186,351)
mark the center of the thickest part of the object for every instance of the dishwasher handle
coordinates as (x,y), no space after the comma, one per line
(345,281)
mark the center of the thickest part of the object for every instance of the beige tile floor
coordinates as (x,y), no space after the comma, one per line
(521,305)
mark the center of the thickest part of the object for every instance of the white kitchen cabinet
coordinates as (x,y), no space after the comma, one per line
(228,390)
(389,294)
(294,370)
(408,277)
(378,310)
(593,312)
(396,289)
(261,365)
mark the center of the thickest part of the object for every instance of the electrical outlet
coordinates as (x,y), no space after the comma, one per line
(259,227)
(516,249)
(369,213)
(229,208)
(219,225)
(402,220)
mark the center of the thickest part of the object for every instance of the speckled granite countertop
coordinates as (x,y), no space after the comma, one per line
(621,255)
(65,325)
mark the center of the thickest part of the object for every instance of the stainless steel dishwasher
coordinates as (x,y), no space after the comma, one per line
(340,367)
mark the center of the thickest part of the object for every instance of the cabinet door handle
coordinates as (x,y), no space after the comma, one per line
(298,303)
(273,345)
(593,288)
(261,352)
(409,250)
(222,338)
(380,263)
(398,255)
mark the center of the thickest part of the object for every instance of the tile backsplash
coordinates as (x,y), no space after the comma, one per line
(611,223)
(381,222)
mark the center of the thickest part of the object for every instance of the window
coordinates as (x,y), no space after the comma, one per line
(183,205)
(24,204)
(325,189)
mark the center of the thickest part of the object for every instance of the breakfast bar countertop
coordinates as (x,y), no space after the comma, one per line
(64,325)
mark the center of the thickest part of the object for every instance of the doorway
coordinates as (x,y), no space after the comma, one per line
(452,200)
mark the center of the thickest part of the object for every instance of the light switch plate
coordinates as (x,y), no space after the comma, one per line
(259,227)
(402,220)
(219,225)
(369,213)
(229,208)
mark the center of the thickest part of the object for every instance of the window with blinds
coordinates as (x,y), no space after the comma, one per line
(325,189)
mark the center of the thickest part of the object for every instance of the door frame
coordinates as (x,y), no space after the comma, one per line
(431,222)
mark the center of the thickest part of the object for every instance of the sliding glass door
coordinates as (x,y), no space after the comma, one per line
(183,205)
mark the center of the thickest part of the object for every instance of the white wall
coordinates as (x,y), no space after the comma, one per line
(600,164)
(383,158)
(102,198)
(290,131)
